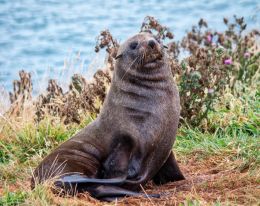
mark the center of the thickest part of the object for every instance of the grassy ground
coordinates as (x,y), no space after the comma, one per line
(220,159)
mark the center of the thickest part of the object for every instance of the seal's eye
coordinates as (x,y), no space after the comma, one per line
(133,45)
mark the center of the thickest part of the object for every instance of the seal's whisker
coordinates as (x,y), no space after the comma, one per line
(144,57)
(141,58)
(129,68)
(139,61)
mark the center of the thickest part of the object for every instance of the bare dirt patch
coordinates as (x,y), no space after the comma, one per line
(205,184)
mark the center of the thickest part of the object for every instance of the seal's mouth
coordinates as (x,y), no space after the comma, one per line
(152,64)
(153,61)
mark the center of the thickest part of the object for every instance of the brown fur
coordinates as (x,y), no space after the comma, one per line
(132,138)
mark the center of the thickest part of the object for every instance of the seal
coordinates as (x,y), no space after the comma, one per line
(130,142)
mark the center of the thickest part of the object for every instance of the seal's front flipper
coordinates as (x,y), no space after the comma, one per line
(77,183)
(169,172)
(110,193)
(103,189)
(117,163)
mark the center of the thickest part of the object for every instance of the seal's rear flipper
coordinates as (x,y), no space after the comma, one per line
(169,172)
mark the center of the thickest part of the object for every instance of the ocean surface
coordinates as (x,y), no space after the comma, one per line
(54,39)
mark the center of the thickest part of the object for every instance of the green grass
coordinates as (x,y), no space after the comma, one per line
(230,137)
(35,140)
(13,198)
(233,144)
(237,141)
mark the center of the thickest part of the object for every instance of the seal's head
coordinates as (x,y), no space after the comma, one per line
(142,51)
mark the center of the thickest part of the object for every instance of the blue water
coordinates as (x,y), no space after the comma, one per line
(38,35)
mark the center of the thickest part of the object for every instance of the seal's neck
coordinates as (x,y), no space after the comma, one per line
(158,78)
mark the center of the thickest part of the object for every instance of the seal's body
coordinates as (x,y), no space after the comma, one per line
(131,140)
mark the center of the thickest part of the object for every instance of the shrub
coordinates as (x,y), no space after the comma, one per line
(216,60)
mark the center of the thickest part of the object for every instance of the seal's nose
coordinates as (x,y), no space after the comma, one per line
(151,43)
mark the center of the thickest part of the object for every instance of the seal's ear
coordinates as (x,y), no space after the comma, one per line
(118,56)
